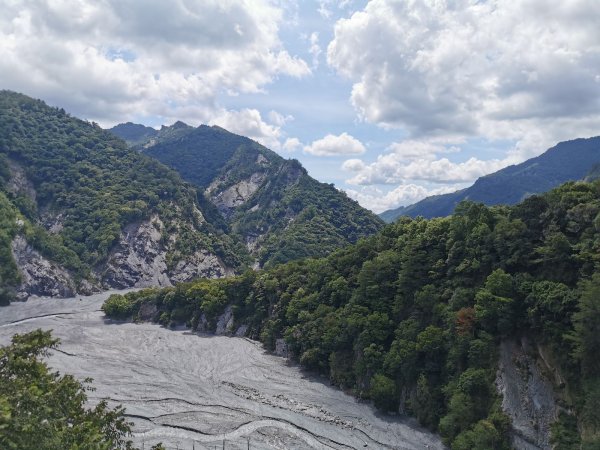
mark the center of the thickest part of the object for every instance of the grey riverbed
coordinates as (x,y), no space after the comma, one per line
(188,390)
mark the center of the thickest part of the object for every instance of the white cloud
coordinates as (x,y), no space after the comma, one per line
(279,119)
(498,69)
(249,123)
(405,194)
(353,165)
(119,59)
(291,145)
(332,145)
(324,10)
(315,49)
(418,160)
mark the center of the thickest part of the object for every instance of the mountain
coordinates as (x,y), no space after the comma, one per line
(269,203)
(133,133)
(567,161)
(483,325)
(82,212)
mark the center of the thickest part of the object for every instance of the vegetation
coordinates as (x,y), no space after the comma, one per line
(9,274)
(89,182)
(197,154)
(291,215)
(412,317)
(567,161)
(41,409)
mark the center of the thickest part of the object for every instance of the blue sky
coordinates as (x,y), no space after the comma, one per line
(390,100)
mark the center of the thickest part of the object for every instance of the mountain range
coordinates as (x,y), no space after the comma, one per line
(267,202)
(567,161)
(80,211)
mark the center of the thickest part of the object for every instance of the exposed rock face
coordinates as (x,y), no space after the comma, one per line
(39,276)
(528,396)
(18,183)
(53,222)
(200,264)
(238,194)
(139,259)
(147,311)
(281,348)
(225,322)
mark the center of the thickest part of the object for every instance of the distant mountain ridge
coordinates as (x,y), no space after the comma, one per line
(269,203)
(567,161)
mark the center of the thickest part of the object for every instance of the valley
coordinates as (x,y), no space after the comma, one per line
(185,389)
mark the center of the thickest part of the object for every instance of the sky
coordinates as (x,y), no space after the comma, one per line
(390,100)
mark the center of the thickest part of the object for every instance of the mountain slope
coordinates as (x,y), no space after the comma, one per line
(567,161)
(483,324)
(269,203)
(133,133)
(102,215)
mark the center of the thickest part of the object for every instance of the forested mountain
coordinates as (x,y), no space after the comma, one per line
(270,204)
(484,324)
(567,161)
(79,211)
(134,133)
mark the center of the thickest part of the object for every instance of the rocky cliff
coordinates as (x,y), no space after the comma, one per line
(527,395)
(82,212)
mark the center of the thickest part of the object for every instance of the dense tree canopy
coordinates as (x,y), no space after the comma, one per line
(86,182)
(412,317)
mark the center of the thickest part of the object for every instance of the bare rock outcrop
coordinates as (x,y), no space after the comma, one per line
(139,259)
(528,395)
(200,264)
(19,184)
(225,322)
(238,194)
(39,276)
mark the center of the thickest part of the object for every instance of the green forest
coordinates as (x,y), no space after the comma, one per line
(294,215)
(96,184)
(412,317)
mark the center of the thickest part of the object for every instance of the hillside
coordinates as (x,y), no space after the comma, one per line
(133,133)
(483,325)
(82,212)
(270,204)
(567,161)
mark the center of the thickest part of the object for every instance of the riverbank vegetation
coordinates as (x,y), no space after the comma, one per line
(412,317)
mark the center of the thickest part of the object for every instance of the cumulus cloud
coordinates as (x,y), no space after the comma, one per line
(249,122)
(118,59)
(291,145)
(332,145)
(448,73)
(353,165)
(405,194)
(419,160)
(497,68)
(315,48)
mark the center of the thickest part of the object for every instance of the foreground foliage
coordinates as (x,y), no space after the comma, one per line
(41,409)
(413,316)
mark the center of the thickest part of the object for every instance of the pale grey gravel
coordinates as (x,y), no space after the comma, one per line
(190,391)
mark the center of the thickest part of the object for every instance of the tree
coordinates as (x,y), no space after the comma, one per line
(40,409)
(383,393)
(587,327)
